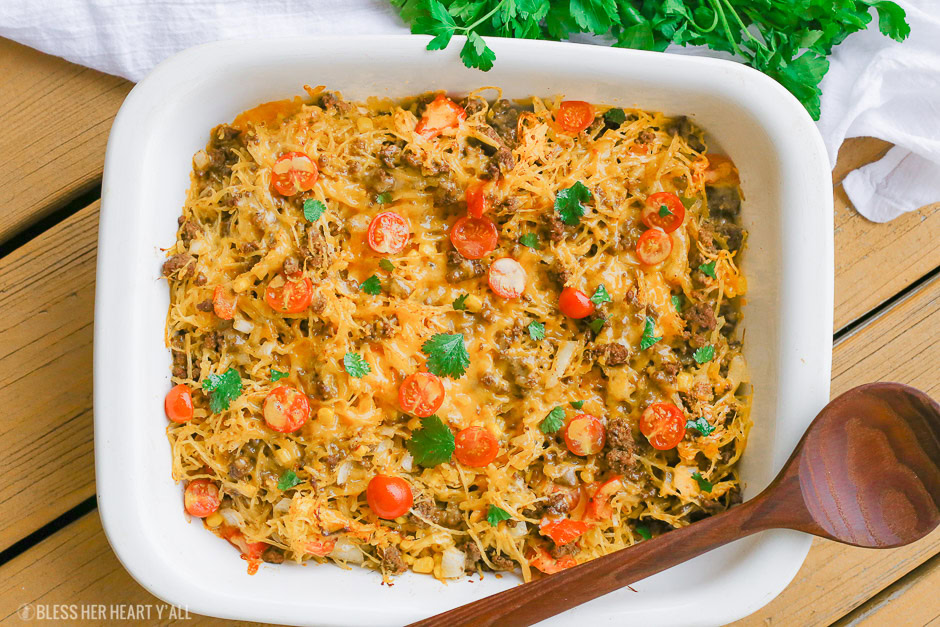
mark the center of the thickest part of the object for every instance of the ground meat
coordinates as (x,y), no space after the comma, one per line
(447,193)
(412,158)
(426,510)
(379,181)
(698,340)
(611,354)
(620,435)
(459,268)
(500,163)
(493,381)
(291,266)
(473,105)
(500,562)
(556,228)
(488,131)
(646,136)
(318,304)
(565,549)
(240,467)
(392,561)
(200,279)
(246,248)
(621,461)
(180,261)
(222,151)
(557,504)
(324,387)
(317,251)
(559,274)
(472,551)
(213,341)
(451,516)
(731,233)
(723,202)
(507,336)
(504,118)
(273,555)
(380,329)
(702,391)
(522,375)
(702,315)
(682,127)
(390,155)
(188,230)
(331,101)
(205,305)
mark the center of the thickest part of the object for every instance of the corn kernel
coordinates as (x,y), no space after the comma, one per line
(214,519)
(473,303)
(364,124)
(414,424)
(326,417)
(423,565)
(684,381)
(587,476)
(406,544)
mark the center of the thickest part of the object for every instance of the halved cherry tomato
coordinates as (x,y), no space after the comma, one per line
(663,424)
(562,530)
(585,435)
(293,172)
(389,497)
(653,247)
(664,211)
(421,394)
(286,409)
(507,278)
(388,233)
(201,498)
(599,506)
(322,546)
(288,296)
(250,550)
(474,237)
(574,115)
(441,114)
(223,302)
(178,403)
(574,303)
(477,202)
(543,561)
(475,447)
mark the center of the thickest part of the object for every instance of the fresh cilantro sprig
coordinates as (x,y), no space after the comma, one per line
(460,303)
(355,365)
(708,269)
(703,484)
(700,424)
(277,375)
(313,209)
(433,443)
(554,421)
(383,198)
(372,286)
(447,355)
(223,389)
(530,240)
(597,324)
(496,514)
(643,531)
(577,404)
(704,354)
(568,203)
(615,116)
(649,334)
(536,330)
(677,302)
(387,265)
(601,295)
(288,480)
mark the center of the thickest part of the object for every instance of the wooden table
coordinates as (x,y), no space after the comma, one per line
(55,120)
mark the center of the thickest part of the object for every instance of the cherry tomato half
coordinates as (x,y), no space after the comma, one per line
(585,435)
(507,278)
(321,547)
(224,300)
(563,530)
(421,394)
(477,202)
(389,497)
(664,211)
(178,403)
(574,116)
(286,409)
(663,424)
(574,303)
(293,172)
(653,247)
(388,233)
(599,507)
(475,447)
(474,237)
(441,114)
(543,561)
(201,498)
(288,296)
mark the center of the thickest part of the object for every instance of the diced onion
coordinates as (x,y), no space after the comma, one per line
(282,506)
(197,246)
(407,462)
(201,160)
(347,551)
(342,474)
(563,358)
(452,563)
(518,530)
(232,517)
(243,325)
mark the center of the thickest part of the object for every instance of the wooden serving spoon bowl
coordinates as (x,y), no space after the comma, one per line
(865,473)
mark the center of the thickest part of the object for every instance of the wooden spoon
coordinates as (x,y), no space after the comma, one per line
(865,473)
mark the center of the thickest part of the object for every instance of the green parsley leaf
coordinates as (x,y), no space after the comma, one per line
(475,53)
(615,116)
(383,198)
(597,324)
(277,375)
(531,240)
(460,303)
(447,355)
(601,295)
(387,265)
(703,484)
(568,203)
(355,365)
(890,19)
(644,531)
(554,421)
(709,269)
(700,424)
(223,389)
(313,209)
(704,354)
(433,443)
(536,330)
(372,286)
(677,302)
(495,514)
(664,211)
(577,404)
(288,480)
(648,338)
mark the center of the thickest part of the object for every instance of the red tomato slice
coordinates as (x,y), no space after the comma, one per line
(507,278)
(389,497)
(585,435)
(250,550)
(293,172)
(477,202)
(599,506)
(289,296)
(654,247)
(663,424)
(286,409)
(224,300)
(574,303)
(563,530)
(321,547)
(543,561)
(574,115)
(388,233)
(474,237)
(475,447)
(201,498)
(421,394)
(178,403)
(440,115)
(657,205)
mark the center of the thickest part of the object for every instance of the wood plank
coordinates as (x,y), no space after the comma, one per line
(46,310)
(911,600)
(56,117)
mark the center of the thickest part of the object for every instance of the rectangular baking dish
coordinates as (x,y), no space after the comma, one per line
(166,118)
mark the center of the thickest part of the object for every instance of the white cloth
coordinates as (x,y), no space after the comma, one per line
(875,86)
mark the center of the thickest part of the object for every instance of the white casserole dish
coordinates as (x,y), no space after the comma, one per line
(167,117)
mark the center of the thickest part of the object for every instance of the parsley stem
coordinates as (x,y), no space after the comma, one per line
(701,30)
(743,27)
(482,19)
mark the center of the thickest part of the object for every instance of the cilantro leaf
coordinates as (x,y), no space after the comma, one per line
(708,269)
(387,265)
(601,295)
(313,209)
(447,355)
(615,116)
(531,240)
(383,198)
(536,330)
(649,337)
(288,480)
(277,375)
(372,286)
(700,424)
(704,354)
(568,203)
(495,514)
(460,303)
(554,421)
(355,365)
(597,324)
(703,484)
(677,302)
(223,389)
(475,53)
(644,531)
(577,404)
(433,443)
(664,211)
(890,19)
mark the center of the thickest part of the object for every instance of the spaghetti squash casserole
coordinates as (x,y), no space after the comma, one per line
(455,335)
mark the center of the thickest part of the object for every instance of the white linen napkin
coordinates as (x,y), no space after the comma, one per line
(875,86)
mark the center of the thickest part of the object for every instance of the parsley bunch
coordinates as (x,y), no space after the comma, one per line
(788,40)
